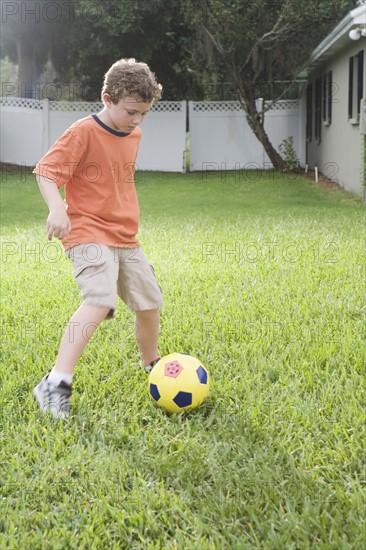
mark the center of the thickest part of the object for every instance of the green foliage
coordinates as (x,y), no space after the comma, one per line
(248,44)
(32,33)
(8,72)
(82,39)
(148,31)
(251,41)
(289,154)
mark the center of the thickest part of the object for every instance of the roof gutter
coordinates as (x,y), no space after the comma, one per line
(335,39)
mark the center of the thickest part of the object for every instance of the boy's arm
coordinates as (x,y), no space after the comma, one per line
(58,222)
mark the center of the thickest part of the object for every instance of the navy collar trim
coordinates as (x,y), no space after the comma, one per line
(114,132)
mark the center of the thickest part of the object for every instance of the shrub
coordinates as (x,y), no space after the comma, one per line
(288,153)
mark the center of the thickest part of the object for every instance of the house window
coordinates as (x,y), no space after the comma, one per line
(318,109)
(309,112)
(327,98)
(355,86)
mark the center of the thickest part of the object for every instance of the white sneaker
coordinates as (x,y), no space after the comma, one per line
(149,368)
(53,397)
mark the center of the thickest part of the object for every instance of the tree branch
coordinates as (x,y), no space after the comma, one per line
(217,45)
(270,36)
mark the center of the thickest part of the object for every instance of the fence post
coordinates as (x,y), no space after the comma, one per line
(45,126)
(302,130)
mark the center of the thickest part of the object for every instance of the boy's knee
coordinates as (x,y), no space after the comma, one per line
(147,313)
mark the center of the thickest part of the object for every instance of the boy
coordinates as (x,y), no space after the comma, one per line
(98,222)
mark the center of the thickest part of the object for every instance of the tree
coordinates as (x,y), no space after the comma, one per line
(82,38)
(30,35)
(257,41)
(149,31)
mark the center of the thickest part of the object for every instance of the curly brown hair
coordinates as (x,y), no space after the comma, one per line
(130,78)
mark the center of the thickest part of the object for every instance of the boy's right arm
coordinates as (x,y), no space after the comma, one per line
(58,222)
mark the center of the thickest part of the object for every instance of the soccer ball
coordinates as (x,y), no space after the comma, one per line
(178,382)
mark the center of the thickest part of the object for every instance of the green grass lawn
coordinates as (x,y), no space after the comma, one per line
(263,279)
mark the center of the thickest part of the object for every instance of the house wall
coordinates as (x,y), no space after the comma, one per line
(340,153)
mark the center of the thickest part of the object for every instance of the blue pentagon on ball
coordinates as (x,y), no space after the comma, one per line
(183,399)
(202,374)
(154,392)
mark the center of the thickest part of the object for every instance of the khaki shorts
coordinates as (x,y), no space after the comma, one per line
(105,272)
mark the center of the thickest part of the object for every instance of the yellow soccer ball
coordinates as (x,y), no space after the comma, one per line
(179,382)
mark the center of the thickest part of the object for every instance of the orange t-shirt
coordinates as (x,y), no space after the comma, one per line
(96,165)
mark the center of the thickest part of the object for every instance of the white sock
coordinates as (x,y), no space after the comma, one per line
(57,376)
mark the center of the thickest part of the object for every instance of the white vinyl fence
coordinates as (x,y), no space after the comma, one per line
(220,137)
(29,127)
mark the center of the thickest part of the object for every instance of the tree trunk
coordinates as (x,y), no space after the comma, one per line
(247,98)
(26,67)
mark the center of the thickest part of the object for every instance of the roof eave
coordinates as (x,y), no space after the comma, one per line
(335,40)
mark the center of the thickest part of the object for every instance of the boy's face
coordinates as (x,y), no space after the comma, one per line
(125,115)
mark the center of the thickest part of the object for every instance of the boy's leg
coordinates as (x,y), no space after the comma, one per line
(147,326)
(54,390)
(96,273)
(139,289)
(80,329)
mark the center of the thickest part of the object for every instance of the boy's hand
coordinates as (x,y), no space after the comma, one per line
(58,223)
